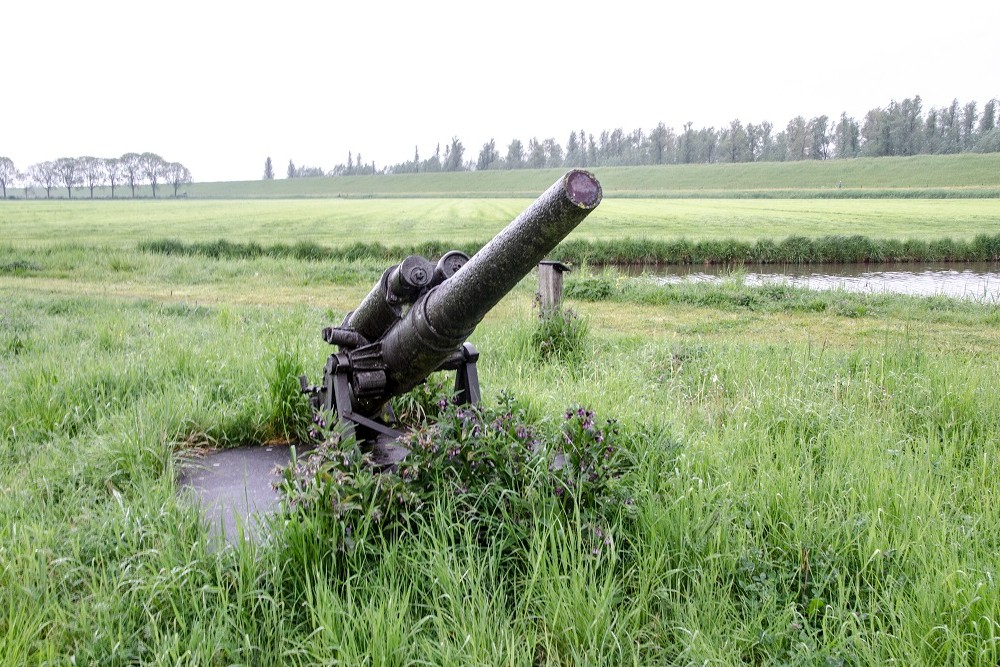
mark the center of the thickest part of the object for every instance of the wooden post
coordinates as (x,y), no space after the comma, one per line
(550,284)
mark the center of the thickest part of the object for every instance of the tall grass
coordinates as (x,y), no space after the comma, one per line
(811,485)
(791,250)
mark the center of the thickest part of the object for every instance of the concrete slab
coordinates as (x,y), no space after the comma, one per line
(235,488)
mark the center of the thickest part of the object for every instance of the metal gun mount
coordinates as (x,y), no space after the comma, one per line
(419,314)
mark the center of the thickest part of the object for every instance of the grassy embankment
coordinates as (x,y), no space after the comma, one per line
(922,177)
(814,473)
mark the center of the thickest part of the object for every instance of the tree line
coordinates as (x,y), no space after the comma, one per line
(131,170)
(899,129)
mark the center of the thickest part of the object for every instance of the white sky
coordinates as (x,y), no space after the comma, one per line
(219,85)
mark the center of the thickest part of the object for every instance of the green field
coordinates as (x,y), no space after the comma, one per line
(922,176)
(340,222)
(811,476)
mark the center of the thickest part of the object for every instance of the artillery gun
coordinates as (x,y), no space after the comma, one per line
(417,318)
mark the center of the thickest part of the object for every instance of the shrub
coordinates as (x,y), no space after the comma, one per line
(489,467)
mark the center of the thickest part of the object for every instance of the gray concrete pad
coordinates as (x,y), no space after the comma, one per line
(235,488)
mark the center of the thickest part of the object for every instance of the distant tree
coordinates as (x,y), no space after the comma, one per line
(951,129)
(845,137)
(488,156)
(67,169)
(45,174)
(988,120)
(177,175)
(454,156)
(291,172)
(767,149)
(989,142)
(778,149)
(708,141)
(93,172)
(659,143)
(536,154)
(268,170)
(515,155)
(591,150)
(819,138)
(753,142)
(876,137)
(686,153)
(797,135)
(131,170)
(553,153)
(735,144)
(153,167)
(969,117)
(433,163)
(113,172)
(24,179)
(573,153)
(7,174)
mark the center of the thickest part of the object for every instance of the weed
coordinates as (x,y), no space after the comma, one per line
(560,335)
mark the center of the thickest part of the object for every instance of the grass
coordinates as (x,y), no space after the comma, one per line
(922,176)
(342,223)
(814,476)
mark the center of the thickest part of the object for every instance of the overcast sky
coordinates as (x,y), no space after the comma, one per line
(220,85)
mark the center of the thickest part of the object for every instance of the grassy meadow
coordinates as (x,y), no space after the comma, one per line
(921,177)
(812,474)
(402,222)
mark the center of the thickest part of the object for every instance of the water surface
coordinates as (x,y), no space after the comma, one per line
(978,281)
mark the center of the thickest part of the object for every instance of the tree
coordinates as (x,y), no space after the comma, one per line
(536,154)
(876,138)
(845,137)
(152,166)
(573,151)
(969,117)
(268,171)
(453,155)
(7,174)
(488,156)
(129,163)
(67,170)
(988,120)
(93,171)
(753,142)
(735,142)
(708,139)
(687,144)
(113,172)
(45,174)
(24,179)
(515,155)
(797,138)
(177,175)
(819,139)
(291,172)
(659,143)
(553,152)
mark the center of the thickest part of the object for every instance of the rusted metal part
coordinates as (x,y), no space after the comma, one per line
(417,317)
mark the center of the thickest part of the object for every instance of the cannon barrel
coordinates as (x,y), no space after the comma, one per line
(440,321)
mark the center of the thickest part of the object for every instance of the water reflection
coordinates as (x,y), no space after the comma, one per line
(978,281)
